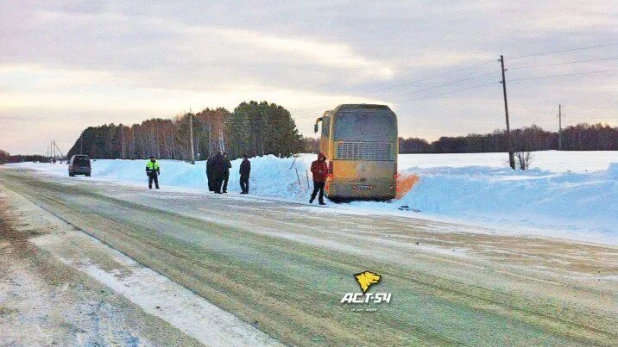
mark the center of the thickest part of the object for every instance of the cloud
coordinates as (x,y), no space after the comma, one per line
(327,54)
(37,77)
(104,40)
(122,59)
(36,86)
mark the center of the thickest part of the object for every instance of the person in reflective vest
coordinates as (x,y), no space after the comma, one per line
(153,172)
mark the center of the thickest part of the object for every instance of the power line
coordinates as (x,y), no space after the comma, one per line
(479,86)
(517,57)
(565,50)
(446,93)
(445,84)
(567,63)
(430,77)
(563,75)
(425,79)
(486,74)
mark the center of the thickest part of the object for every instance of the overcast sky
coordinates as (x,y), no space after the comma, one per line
(66,65)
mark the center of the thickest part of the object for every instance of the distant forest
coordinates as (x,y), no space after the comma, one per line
(581,137)
(5,157)
(262,128)
(252,128)
(265,128)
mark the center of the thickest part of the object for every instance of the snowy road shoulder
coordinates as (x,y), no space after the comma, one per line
(155,294)
(160,297)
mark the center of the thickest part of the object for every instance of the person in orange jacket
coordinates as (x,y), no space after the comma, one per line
(319,169)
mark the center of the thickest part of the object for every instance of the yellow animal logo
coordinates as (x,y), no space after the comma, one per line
(367,279)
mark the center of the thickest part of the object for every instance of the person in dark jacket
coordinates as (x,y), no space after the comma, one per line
(153,171)
(218,172)
(209,172)
(245,170)
(227,165)
(319,169)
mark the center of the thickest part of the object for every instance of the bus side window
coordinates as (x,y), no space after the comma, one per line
(325,126)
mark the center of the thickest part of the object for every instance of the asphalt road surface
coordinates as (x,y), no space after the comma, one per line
(284,267)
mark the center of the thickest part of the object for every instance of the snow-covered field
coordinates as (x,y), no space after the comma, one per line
(564,194)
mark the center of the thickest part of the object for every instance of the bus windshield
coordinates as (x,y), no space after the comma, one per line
(366,126)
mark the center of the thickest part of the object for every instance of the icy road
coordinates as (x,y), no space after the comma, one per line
(232,270)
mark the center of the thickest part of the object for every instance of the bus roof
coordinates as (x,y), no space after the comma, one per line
(358,107)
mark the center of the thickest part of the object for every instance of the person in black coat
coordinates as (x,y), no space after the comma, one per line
(218,172)
(227,165)
(209,176)
(245,170)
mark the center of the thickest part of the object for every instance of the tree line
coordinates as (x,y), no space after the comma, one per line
(252,128)
(265,128)
(5,157)
(580,137)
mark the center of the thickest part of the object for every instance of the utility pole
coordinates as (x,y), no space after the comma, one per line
(262,113)
(56,148)
(210,141)
(133,139)
(506,112)
(191,135)
(559,127)
(123,148)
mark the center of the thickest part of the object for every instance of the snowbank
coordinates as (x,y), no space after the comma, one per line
(573,194)
(270,176)
(570,201)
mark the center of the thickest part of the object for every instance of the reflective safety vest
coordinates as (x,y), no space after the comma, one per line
(152,167)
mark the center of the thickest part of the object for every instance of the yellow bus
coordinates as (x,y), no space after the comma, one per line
(361,145)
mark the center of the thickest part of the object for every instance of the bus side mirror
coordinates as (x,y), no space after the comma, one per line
(315,128)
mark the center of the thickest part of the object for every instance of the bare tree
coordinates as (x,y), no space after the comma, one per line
(524,158)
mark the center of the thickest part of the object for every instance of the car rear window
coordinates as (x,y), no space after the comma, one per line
(81,161)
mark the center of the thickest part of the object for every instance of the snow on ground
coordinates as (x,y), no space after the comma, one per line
(553,161)
(564,194)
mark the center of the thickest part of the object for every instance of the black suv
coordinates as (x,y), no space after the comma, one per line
(79,165)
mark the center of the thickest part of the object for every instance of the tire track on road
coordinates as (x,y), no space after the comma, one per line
(444,293)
